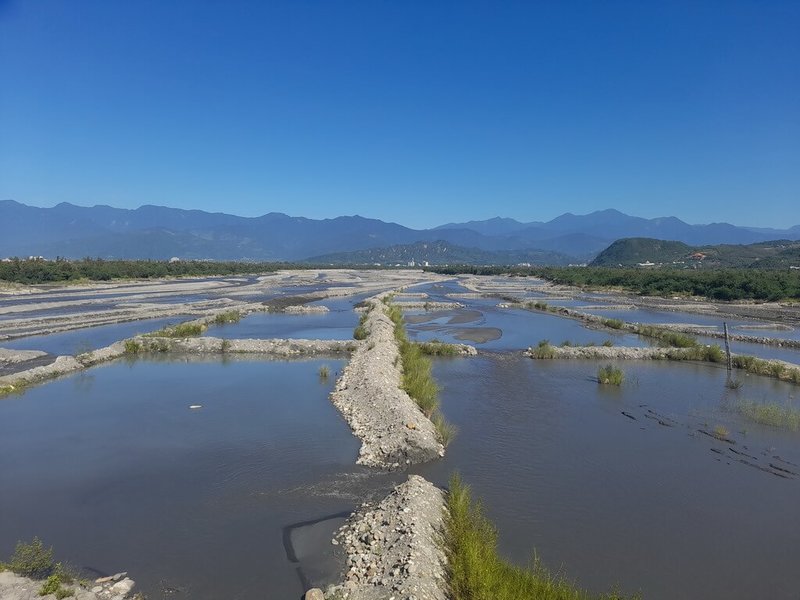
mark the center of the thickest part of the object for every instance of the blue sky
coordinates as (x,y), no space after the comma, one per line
(418,112)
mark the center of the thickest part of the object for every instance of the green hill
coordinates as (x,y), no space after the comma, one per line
(647,252)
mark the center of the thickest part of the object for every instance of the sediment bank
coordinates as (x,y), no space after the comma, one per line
(393,431)
(393,549)
(279,348)
(415,305)
(777,369)
(17,587)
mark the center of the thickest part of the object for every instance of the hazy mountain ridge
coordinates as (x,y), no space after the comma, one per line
(160,232)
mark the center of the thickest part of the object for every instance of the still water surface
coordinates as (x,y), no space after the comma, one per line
(113,469)
(622,499)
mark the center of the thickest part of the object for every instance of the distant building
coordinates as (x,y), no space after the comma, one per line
(425,263)
(174,259)
(646,263)
(411,263)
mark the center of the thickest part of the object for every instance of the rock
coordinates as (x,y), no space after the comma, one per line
(314,594)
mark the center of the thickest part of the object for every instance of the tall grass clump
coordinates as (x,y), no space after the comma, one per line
(437,348)
(771,414)
(132,347)
(475,569)
(666,337)
(417,378)
(180,330)
(324,372)
(543,350)
(768,368)
(360,332)
(227,317)
(445,430)
(610,375)
(613,323)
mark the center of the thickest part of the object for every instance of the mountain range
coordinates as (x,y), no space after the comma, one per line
(156,232)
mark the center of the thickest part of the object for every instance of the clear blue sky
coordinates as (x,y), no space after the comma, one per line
(419,112)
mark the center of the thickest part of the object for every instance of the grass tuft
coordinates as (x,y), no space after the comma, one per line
(610,375)
(613,323)
(227,317)
(721,432)
(445,430)
(475,569)
(360,332)
(437,348)
(132,347)
(543,350)
(324,372)
(770,413)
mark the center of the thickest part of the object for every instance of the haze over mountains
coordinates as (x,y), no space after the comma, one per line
(155,232)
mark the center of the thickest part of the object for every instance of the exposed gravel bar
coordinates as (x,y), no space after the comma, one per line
(393,431)
(416,305)
(64,365)
(115,587)
(635,353)
(274,347)
(393,549)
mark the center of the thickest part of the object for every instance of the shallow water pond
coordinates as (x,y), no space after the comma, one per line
(332,325)
(115,470)
(618,485)
(90,338)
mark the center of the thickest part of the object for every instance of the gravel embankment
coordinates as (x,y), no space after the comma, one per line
(393,431)
(393,548)
(16,587)
(64,365)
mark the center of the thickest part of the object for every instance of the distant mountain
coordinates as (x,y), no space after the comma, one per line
(631,252)
(159,232)
(495,226)
(440,252)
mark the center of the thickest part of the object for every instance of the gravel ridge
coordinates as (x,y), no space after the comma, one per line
(393,431)
(393,549)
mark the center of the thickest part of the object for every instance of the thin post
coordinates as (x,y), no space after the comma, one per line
(727,346)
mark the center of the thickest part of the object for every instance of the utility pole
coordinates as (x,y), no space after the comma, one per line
(727,346)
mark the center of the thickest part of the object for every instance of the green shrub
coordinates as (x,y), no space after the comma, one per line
(543,350)
(53,586)
(360,332)
(610,375)
(32,560)
(613,323)
(437,348)
(324,372)
(185,330)
(132,347)
(230,316)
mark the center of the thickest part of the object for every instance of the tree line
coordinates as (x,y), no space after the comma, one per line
(721,284)
(95,269)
